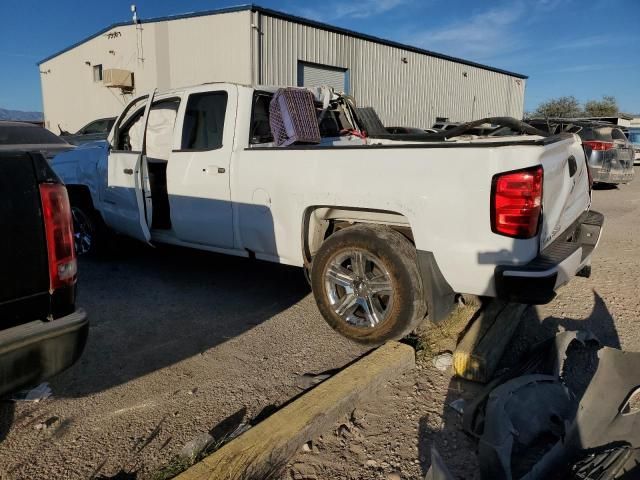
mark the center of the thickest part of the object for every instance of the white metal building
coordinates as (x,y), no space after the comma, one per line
(408,86)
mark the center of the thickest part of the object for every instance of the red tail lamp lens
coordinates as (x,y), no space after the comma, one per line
(59,233)
(516,203)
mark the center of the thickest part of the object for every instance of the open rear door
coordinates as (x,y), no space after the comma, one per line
(125,209)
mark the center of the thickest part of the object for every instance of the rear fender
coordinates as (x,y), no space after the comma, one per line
(81,166)
(317,221)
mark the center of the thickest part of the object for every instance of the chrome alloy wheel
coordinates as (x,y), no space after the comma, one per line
(82,231)
(359,287)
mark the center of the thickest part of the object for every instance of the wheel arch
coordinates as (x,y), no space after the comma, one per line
(80,195)
(320,222)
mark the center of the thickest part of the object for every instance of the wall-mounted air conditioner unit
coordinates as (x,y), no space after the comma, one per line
(117,78)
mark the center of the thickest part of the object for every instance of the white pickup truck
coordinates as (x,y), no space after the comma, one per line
(388,229)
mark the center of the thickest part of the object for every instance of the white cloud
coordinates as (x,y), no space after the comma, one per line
(486,33)
(336,10)
(367,8)
(482,34)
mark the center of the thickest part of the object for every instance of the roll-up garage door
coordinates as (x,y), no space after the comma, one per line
(314,75)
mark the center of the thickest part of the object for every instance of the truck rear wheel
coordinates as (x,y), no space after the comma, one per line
(366,284)
(84,231)
(89,230)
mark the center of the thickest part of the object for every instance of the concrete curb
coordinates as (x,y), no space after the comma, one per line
(269,445)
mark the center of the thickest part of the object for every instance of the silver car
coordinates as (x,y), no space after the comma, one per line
(610,154)
(634,138)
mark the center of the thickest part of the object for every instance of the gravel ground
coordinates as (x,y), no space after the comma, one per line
(181,340)
(390,437)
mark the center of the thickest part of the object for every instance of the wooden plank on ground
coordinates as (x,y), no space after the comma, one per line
(444,336)
(478,353)
(268,446)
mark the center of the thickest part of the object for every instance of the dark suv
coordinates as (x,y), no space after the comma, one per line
(41,331)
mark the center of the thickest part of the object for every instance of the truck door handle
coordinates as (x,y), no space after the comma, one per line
(211,169)
(573,166)
(128,171)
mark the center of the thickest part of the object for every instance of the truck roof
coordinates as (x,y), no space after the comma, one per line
(262,88)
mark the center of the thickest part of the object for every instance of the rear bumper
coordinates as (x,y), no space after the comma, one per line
(34,351)
(536,282)
(613,174)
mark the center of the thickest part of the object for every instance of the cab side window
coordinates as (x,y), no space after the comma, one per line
(133,124)
(160,125)
(204,121)
(260,127)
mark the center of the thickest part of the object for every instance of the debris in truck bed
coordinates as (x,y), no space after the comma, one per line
(292,116)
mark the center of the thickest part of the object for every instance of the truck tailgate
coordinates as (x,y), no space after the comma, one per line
(25,272)
(566,191)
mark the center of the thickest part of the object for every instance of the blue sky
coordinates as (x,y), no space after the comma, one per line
(567,47)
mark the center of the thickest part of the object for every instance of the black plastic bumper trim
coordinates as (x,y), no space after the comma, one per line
(37,350)
(539,288)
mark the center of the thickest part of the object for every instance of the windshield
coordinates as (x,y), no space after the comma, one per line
(99,126)
(27,135)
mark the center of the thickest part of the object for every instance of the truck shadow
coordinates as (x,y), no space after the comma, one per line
(152,307)
(457,448)
(7,409)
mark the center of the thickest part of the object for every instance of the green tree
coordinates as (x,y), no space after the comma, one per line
(566,107)
(607,107)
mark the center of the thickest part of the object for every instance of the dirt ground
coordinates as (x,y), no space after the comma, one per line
(390,436)
(181,340)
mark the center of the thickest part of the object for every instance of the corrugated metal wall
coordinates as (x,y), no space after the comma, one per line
(408,94)
(180,52)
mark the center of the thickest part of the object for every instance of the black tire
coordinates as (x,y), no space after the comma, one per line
(405,306)
(89,230)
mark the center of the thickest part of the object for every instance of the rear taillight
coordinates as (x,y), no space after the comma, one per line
(516,202)
(598,145)
(59,233)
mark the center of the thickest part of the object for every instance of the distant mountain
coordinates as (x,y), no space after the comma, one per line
(19,115)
